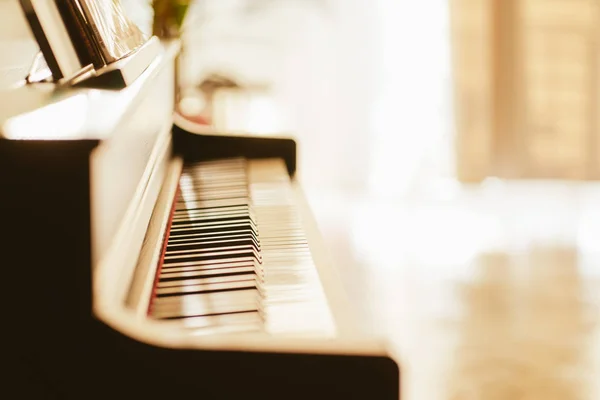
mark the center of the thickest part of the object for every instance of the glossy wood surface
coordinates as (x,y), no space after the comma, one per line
(67,113)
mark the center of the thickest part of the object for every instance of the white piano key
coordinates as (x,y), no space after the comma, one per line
(189,273)
(209,270)
(200,251)
(243,251)
(191,215)
(228,329)
(208,263)
(201,224)
(206,287)
(288,285)
(184,204)
(206,304)
(208,280)
(244,318)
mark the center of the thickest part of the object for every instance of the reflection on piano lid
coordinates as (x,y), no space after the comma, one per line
(145,259)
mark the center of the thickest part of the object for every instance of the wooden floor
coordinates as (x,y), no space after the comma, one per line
(487,292)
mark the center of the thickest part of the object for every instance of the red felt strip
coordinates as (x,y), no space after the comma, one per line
(163,251)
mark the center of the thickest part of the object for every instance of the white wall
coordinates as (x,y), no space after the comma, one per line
(367,83)
(16,26)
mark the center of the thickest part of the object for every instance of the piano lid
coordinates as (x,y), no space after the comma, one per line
(49,112)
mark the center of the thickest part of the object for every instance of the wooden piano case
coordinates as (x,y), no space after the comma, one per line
(72,163)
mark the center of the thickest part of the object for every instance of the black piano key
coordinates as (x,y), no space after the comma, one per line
(247,251)
(202,310)
(216,220)
(211,240)
(209,257)
(211,244)
(182,226)
(208,263)
(211,270)
(214,237)
(201,236)
(213,220)
(218,207)
(203,250)
(180,231)
(245,219)
(180,276)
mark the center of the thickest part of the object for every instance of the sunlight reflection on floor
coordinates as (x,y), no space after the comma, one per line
(487,294)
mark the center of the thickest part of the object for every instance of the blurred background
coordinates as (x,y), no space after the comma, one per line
(449,150)
(450,153)
(340,76)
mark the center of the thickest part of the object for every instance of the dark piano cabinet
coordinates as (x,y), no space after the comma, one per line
(54,345)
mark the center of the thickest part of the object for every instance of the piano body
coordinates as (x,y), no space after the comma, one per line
(145,258)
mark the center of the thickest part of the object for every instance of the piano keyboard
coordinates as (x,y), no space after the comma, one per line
(235,258)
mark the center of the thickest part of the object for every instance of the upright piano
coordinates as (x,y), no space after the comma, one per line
(146,257)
